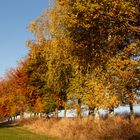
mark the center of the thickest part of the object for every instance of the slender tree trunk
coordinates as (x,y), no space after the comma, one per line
(131,109)
(91,111)
(56,112)
(14,117)
(79,110)
(96,115)
(9,119)
(65,111)
(30,115)
(111,112)
(131,118)
(21,114)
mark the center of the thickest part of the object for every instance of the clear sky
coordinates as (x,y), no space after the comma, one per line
(15,15)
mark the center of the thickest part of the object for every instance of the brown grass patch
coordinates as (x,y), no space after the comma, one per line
(115,128)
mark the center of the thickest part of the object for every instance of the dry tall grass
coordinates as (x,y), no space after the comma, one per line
(115,128)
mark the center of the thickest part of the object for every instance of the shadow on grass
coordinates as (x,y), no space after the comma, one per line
(9,124)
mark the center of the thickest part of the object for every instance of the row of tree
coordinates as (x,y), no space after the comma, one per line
(83,52)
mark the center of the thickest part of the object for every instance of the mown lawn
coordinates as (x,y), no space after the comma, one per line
(19,133)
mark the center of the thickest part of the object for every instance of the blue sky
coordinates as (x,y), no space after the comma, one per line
(15,15)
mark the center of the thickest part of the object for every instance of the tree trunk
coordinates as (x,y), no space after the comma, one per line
(91,111)
(79,110)
(111,112)
(56,112)
(65,111)
(9,119)
(14,117)
(21,115)
(131,109)
(96,115)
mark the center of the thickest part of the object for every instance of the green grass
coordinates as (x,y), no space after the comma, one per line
(19,133)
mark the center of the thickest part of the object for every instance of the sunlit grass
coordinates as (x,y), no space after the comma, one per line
(18,133)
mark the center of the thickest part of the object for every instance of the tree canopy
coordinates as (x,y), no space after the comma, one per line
(83,50)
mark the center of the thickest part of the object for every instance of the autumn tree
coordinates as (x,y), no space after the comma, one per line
(124,71)
(48,35)
(99,31)
(13,99)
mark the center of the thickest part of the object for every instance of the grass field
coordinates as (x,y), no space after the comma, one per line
(9,132)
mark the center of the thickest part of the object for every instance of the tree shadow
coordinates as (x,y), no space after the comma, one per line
(8,124)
